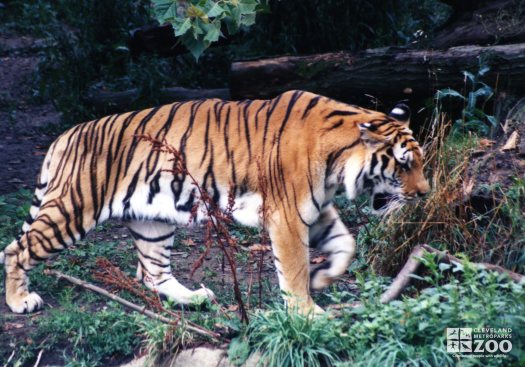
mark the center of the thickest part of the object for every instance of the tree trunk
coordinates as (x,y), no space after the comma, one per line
(385,72)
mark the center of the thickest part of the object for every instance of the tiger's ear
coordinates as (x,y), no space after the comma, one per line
(401,112)
(370,137)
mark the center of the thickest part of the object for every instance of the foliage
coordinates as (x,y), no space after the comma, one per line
(313,26)
(473,116)
(198,23)
(85,43)
(289,339)
(446,219)
(409,332)
(13,210)
(93,336)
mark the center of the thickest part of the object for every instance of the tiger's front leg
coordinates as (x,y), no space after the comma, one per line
(329,234)
(291,255)
(154,242)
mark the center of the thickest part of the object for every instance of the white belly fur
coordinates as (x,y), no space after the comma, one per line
(163,206)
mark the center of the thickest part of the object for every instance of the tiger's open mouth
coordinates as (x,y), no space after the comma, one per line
(381,200)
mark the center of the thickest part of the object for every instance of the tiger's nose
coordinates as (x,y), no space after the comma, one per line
(423,189)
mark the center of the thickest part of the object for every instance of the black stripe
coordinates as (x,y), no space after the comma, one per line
(332,157)
(154,188)
(321,236)
(334,126)
(188,205)
(373,164)
(141,237)
(313,102)
(340,113)
(153,261)
(131,189)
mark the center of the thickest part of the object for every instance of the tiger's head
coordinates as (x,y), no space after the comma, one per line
(392,169)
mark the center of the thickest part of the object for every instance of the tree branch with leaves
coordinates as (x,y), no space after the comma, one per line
(199,23)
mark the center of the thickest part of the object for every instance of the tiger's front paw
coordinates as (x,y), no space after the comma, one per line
(321,279)
(25,302)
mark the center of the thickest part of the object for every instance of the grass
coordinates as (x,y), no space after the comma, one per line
(89,338)
(85,328)
(408,332)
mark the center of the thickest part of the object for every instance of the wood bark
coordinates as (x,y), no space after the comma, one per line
(386,72)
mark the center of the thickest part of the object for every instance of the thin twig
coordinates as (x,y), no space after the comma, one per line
(141,309)
(38,358)
(10,358)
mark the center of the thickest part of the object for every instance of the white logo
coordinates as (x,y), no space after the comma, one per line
(479,342)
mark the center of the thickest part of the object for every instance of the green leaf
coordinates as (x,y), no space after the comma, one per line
(483,70)
(470,76)
(215,11)
(448,92)
(184,27)
(213,33)
(248,19)
(247,8)
(484,91)
(163,2)
(195,45)
(493,121)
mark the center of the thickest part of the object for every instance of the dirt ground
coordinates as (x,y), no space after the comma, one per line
(23,142)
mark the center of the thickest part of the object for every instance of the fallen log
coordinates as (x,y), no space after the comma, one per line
(385,72)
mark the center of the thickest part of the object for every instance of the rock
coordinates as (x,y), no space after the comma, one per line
(199,357)
(202,357)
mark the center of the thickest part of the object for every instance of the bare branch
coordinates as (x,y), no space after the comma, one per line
(190,326)
(402,279)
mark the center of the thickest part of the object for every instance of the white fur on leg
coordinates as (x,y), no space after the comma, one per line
(153,241)
(25,304)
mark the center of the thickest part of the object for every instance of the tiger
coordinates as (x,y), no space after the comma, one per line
(306,146)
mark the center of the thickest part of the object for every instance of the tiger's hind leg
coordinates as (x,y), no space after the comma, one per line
(154,242)
(329,234)
(46,236)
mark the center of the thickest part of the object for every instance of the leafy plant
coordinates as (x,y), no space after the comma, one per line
(93,336)
(289,339)
(473,116)
(198,23)
(408,332)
